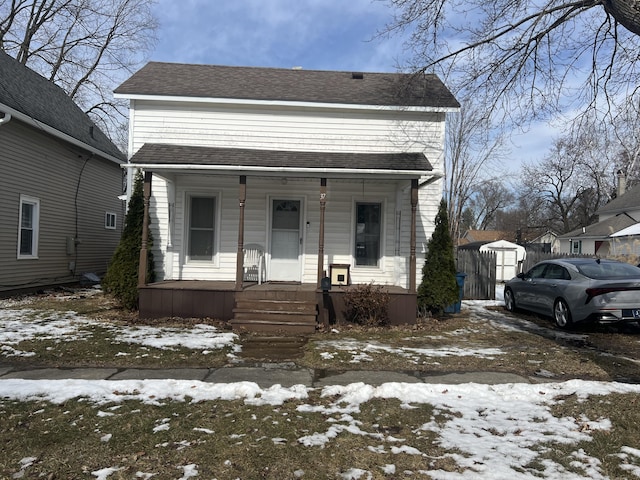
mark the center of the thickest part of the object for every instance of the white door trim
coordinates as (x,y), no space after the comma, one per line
(297,273)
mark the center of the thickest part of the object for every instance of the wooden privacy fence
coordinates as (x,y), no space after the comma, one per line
(480,268)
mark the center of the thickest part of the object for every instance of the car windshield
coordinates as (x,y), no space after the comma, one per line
(609,271)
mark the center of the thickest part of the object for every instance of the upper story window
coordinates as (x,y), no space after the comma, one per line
(28,228)
(110,219)
(201,229)
(368,233)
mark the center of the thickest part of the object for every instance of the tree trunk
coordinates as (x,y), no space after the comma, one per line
(626,12)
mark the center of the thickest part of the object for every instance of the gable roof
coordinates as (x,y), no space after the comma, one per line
(487,236)
(33,99)
(277,162)
(296,85)
(630,200)
(603,229)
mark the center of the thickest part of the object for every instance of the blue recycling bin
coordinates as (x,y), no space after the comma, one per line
(455,308)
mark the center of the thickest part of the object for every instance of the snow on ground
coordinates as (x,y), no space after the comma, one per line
(17,325)
(496,428)
(359,350)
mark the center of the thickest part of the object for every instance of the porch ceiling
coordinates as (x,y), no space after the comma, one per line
(234,161)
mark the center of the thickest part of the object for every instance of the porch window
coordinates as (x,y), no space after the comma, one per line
(29,227)
(201,245)
(368,228)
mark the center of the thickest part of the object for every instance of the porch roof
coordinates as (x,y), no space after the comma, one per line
(183,158)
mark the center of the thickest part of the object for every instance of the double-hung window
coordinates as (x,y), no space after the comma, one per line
(28,228)
(201,228)
(368,233)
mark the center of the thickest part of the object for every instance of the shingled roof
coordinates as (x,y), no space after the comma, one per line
(628,201)
(167,155)
(26,92)
(295,85)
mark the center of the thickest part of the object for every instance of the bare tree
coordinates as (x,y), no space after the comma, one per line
(490,197)
(626,130)
(570,184)
(472,150)
(527,59)
(86,47)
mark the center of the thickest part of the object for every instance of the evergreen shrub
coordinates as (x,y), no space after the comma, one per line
(121,279)
(439,287)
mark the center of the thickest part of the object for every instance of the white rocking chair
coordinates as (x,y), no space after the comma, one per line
(254,268)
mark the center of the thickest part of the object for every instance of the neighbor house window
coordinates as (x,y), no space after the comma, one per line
(29,227)
(576,247)
(201,244)
(110,221)
(368,228)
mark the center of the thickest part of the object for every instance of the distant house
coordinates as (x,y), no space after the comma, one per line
(316,174)
(546,242)
(486,236)
(60,215)
(617,231)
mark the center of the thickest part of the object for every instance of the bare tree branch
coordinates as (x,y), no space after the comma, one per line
(87,47)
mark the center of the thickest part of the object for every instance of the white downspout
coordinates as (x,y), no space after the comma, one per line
(5,119)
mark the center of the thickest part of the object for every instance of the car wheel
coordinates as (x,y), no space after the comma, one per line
(510,300)
(562,314)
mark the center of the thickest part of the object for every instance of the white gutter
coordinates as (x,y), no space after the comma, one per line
(57,133)
(280,171)
(5,119)
(282,103)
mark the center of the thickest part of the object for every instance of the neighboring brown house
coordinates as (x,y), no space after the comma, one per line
(60,215)
(486,236)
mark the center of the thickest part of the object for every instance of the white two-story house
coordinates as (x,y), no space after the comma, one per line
(301,174)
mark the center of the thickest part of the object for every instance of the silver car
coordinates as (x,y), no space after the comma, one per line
(573,290)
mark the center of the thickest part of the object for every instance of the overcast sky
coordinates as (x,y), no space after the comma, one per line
(312,34)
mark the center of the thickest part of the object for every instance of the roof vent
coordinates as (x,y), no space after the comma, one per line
(357,75)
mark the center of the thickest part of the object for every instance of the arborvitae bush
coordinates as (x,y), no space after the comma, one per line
(367,305)
(121,279)
(439,287)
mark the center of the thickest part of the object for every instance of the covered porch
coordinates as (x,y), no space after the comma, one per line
(217,287)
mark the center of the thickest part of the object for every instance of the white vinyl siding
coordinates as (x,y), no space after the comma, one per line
(392,267)
(293,129)
(28,227)
(287,129)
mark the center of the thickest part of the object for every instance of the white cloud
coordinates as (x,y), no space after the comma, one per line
(314,34)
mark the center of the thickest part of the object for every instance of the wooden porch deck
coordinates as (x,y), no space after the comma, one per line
(220,300)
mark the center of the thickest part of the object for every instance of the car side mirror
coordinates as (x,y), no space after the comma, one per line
(521,276)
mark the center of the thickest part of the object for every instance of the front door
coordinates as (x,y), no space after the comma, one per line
(286,241)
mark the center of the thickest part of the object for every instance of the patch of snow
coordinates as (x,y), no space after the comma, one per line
(102,474)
